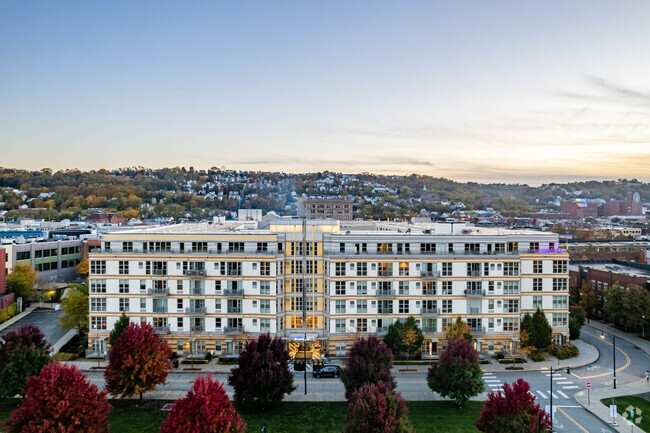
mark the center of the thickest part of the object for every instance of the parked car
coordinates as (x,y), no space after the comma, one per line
(328,371)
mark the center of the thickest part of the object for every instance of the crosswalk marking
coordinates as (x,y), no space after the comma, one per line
(494,385)
(565,383)
(563,394)
(492,380)
(558,378)
(552,393)
(541,394)
(571,387)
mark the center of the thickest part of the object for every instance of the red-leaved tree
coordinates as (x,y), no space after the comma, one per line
(60,399)
(206,409)
(22,354)
(370,361)
(375,408)
(458,373)
(262,377)
(513,412)
(138,361)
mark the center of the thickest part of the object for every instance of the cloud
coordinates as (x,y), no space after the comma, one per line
(355,161)
(616,90)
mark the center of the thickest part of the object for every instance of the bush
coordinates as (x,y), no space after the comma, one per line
(206,408)
(564,351)
(63,356)
(60,399)
(537,356)
(376,409)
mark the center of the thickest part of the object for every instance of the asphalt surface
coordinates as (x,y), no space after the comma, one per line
(46,320)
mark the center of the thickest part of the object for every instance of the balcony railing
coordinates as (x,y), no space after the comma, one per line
(161,329)
(160,310)
(430,311)
(474,311)
(385,293)
(194,272)
(158,272)
(234,292)
(197,291)
(474,293)
(92,353)
(385,273)
(158,292)
(195,311)
(233,330)
(234,310)
(477,329)
(429,274)
(430,330)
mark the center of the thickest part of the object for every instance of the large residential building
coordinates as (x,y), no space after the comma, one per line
(317,208)
(208,288)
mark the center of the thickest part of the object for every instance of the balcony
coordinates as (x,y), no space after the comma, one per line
(158,292)
(474,311)
(160,310)
(477,329)
(162,272)
(427,312)
(92,353)
(430,330)
(234,310)
(233,330)
(197,328)
(197,291)
(161,329)
(194,272)
(429,274)
(195,311)
(385,293)
(474,293)
(234,293)
(385,273)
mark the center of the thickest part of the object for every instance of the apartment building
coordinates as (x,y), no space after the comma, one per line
(208,288)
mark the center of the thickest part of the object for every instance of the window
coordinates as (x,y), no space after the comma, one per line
(429,288)
(262,247)
(537,284)
(473,269)
(561,302)
(362,306)
(265,287)
(97,267)
(511,287)
(537,266)
(446,269)
(511,269)
(511,324)
(23,255)
(339,307)
(560,320)
(560,284)
(339,326)
(97,304)
(403,306)
(446,306)
(385,307)
(511,305)
(362,287)
(446,287)
(428,248)
(403,288)
(265,306)
(143,304)
(265,268)
(265,325)
(559,266)
(236,247)
(127,247)
(97,323)
(362,269)
(404,269)
(339,287)
(97,286)
(339,268)
(123,267)
(537,302)
(362,325)
(124,305)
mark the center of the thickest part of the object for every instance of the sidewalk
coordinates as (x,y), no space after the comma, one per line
(628,336)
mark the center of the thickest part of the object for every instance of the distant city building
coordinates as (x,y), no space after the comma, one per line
(249,214)
(209,289)
(312,209)
(583,208)
(106,218)
(55,261)
(6,299)
(631,206)
(580,208)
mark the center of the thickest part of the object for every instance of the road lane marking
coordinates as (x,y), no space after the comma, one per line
(572,420)
(541,394)
(562,394)
(627,363)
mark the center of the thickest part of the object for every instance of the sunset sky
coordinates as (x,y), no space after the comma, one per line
(505,91)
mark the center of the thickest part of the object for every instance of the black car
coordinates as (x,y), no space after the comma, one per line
(328,371)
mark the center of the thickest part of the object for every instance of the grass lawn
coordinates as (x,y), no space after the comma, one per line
(631,400)
(312,417)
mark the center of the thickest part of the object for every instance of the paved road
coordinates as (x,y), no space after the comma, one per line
(46,320)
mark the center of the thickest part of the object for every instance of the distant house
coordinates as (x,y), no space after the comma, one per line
(103,218)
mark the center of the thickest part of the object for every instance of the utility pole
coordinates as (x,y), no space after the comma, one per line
(304,294)
(551,399)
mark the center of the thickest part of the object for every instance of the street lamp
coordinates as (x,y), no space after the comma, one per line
(602,335)
(304,342)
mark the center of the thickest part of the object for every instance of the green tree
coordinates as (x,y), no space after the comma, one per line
(588,299)
(22,354)
(614,302)
(458,374)
(21,280)
(75,308)
(118,329)
(526,330)
(541,333)
(404,337)
(635,301)
(574,328)
(459,329)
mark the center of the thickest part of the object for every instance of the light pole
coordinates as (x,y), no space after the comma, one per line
(304,342)
(602,335)
(551,398)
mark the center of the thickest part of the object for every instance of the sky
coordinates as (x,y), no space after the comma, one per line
(506,91)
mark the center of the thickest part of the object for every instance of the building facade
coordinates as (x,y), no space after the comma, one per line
(55,261)
(341,210)
(208,289)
